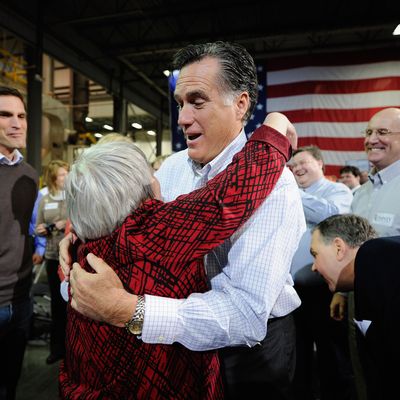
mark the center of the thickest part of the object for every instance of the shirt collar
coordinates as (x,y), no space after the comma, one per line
(355,189)
(17,158)
(385,175)
(222,160)
(314,185)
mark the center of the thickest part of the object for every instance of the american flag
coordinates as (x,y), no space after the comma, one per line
(331,97)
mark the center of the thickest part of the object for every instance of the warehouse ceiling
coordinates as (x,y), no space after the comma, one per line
(127,44)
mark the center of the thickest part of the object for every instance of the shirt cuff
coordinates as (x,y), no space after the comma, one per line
(64,290)
(160,323)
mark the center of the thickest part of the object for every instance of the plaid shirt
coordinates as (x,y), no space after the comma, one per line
(159,250)
(249,274)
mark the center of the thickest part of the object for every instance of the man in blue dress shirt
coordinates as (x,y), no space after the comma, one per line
(321,198)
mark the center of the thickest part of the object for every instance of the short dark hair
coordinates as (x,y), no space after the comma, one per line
(353,229)
(313,150)
(238,71)
(9,91)
(350,169)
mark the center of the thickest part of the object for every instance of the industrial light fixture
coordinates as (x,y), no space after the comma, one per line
(98,135)
(108,127)
(151,133)
(88,119)
(167,72)
(397,30)
(136,125)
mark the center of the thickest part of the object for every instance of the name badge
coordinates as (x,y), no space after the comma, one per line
(51,206)
(383,219)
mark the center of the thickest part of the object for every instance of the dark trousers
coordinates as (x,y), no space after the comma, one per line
(15,320)
(327,373)
(58,310)
(264,371)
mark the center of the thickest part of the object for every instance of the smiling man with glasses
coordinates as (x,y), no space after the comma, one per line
(378,200)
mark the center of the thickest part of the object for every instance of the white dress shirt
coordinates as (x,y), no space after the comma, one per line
(249,273)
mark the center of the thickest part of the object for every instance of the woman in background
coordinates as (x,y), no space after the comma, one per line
(51,221)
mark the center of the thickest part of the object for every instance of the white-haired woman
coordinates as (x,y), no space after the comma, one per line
(155,248)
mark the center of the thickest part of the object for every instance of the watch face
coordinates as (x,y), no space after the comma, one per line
(135,327)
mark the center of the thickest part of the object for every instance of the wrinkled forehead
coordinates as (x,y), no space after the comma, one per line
(200,75)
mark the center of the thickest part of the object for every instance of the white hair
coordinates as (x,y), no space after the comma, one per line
(106,183)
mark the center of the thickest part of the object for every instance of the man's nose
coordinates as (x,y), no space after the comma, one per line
(16,122)
(185,116)
(373,137)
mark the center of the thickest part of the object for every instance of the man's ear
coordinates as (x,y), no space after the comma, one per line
(341,248)
(242,105)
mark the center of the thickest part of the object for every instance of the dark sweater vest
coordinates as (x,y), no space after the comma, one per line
(18,191)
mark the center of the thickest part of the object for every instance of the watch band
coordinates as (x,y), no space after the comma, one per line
(135,325)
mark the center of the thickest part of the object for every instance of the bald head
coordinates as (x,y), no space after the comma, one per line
(383,149)
(389,115)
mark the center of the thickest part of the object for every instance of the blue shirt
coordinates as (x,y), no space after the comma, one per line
(320,200)
(39,241)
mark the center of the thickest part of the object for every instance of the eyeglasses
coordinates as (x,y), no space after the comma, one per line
(380,132)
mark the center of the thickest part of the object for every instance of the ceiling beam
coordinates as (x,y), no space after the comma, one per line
(81,58)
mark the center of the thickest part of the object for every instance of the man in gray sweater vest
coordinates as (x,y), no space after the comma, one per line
(18,191)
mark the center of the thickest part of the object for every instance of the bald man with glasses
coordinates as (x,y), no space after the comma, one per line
(378,200)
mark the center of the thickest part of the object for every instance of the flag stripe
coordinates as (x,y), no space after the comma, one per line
(332,157)
(330,129)
(340,144)
(334,87)
(389,98)
(333,170)
(329,115)
(337,73)
(332,59)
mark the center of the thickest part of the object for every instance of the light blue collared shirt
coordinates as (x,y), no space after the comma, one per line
(320,200)
(378,200)
(17,158)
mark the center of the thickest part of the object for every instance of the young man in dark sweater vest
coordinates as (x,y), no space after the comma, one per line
(18,191)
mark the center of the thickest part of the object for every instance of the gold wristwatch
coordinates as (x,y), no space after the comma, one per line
(135,325)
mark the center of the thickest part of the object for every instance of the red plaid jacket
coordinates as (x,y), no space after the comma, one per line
(159,250)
